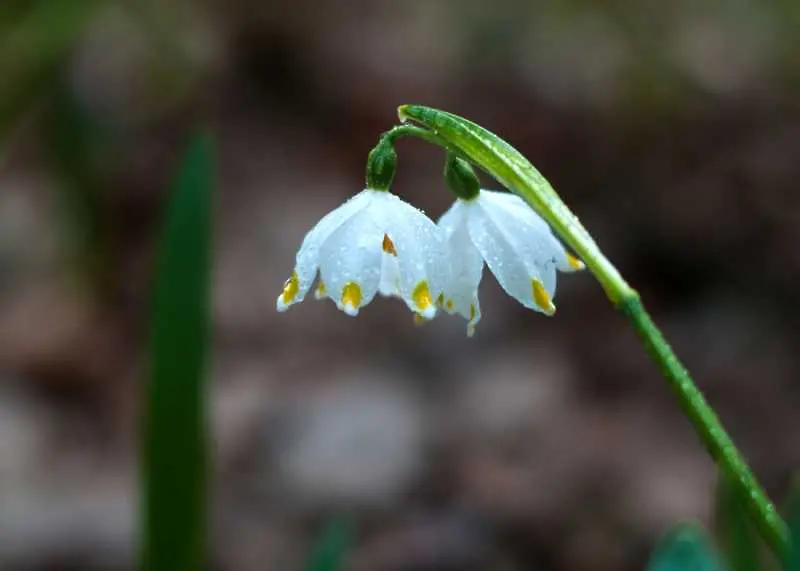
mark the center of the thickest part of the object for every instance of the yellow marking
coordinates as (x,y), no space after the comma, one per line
(351,295)
(388,245)
(574,262)
(422,296)
(290,289)
(321,291)
(541,298)
(472,312)
(449,305)
(419,320)
(440,300)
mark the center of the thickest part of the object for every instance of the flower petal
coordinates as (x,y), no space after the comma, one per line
(528,218)
(516,253)
(421,261)
(350,262)
(389,285)
(460,293)
(307,259)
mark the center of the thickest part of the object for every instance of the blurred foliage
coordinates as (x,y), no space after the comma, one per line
(735,534)
(685,548)
(76,145)
(35,38)
(175,440)
(331,547)
(793,517)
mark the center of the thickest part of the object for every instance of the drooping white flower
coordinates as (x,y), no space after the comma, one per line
(373,243)
(500,229)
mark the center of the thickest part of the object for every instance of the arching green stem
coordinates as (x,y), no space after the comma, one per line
(499,159)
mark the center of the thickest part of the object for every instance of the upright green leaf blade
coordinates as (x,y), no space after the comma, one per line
(685,548)
(734,531)
(175,440)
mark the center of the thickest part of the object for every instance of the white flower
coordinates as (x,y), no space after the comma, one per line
(374,242)
(517,245)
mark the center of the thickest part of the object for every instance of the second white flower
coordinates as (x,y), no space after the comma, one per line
(517,245)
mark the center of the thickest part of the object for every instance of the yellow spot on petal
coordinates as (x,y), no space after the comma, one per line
(290,289)
(541,298)
(388,245)
(472,312)
(440,300)
(351,298)
(321,290)
(449,305)
(574,262)
(422,296)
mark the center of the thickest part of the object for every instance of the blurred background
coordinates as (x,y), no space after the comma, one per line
(671,128)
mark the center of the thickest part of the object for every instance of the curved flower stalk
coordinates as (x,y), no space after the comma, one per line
(499,229)
(486,150)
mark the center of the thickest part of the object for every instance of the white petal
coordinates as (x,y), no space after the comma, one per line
(517,208)
(307,259)
(460,293)
(350,262)
(519,255)
(390,276)
(454,218)
(421,261)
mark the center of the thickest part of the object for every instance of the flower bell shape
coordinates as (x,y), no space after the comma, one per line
(373,243)
(500,229)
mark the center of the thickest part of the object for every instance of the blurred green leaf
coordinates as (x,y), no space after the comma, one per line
(35,39)
(76,153)
(736,535)
(793,518)
(331,547)
(685,548)
(175,440)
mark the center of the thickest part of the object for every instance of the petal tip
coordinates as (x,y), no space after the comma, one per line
(321,292)
(291,289)
(428,313)
(574,263)
(422,301)
(351,299)
(348,309)
(281,304)
(541,298)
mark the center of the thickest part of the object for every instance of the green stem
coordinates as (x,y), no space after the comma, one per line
(708,426)
(499,159)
